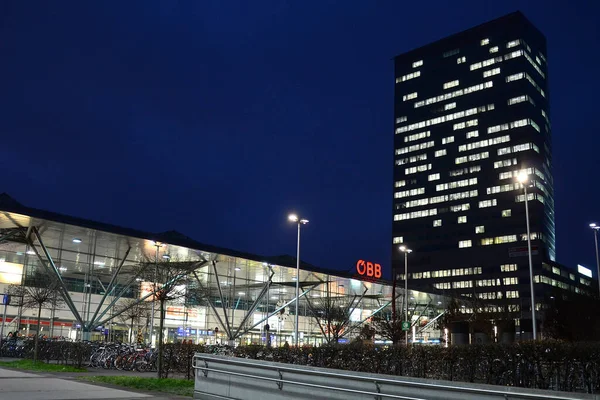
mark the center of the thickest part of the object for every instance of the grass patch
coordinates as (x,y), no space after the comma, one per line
(40,366)
(180,387)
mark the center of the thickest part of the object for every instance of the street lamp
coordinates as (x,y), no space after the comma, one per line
(523,179)
(596,228)
(406,250)
(299,221)
(158,245)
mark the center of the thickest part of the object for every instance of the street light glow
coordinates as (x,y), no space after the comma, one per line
(402,248)
(522,177)
(293,217)
(593,225)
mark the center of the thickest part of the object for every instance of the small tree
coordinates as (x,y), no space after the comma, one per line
(17,293)
(388,328)
(132,311)
(42,292)
(332,314)
(169,280)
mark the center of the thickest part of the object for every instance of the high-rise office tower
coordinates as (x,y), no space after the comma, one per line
(471,112)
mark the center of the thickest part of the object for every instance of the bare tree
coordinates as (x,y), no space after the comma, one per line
(169,281)
(388,328)
(17,293)
(42,291)
(332,314)
(132,311)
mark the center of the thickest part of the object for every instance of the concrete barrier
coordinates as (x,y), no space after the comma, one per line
(220,377)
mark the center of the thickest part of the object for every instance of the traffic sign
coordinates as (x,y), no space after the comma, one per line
(405,325)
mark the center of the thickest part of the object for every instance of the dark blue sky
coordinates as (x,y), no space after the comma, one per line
(216,118)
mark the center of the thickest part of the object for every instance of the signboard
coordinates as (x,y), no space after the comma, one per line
(584,271)
(6,299)
(368,269)
(405,325)
(522,251)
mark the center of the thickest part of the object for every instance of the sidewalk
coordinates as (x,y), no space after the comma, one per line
(48,386)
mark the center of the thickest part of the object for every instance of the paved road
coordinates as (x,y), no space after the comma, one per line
(40,386)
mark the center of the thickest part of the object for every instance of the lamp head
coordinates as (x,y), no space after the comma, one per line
(594,226)
(293,218)
(402,248)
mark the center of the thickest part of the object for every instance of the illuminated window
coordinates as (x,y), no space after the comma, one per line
(418,168)
(417,63)
(508,267)
(480,229)
(407,193)
(415,214)
(485,63)
(407,77)
(460,207)
(514,54)
(456,93)
(513,43)
(505,163)
(485,41)
(488,203)
(440,153)
(456,184)
(448,139)
(462,171)
(517,148)
(445,118)
(437,222)
(521,75)
(449,106)
(399,184)
(472,157)
(466,124)
(461,60)
(417,136)
(484,143)
(398,239)
(487,241)
(433,177)
(401,119)
(520,99)
(491,72)
(409,96)
(464,243)
(414,147)
(511,281)
(451,84)
(512,294)
(494,49)
(505,239)
(556,270)
(462,219)
(472,134)
(462,284)
(412,159)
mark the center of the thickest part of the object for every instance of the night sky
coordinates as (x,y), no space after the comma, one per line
(217,118)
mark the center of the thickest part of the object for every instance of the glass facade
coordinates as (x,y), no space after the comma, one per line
(237,294)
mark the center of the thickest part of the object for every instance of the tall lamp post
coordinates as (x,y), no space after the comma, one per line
(523,179)
(595,227)
(158,245)
(406,251)
(299,221)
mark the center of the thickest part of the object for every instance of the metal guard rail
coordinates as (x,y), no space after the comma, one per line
(377,381)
